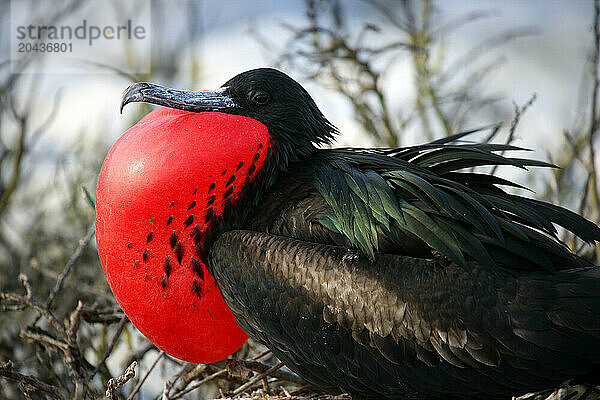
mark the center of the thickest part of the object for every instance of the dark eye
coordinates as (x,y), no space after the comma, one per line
(259,97)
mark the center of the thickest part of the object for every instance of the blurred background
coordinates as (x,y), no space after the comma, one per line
(387,73)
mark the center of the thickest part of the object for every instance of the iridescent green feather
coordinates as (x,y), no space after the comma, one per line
(431,192)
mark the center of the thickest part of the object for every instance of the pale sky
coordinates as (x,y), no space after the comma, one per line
(549,63)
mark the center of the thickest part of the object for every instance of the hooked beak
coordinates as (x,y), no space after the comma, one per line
(189,100)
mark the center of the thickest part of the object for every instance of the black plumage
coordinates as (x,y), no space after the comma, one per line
(407,327)
(400,273)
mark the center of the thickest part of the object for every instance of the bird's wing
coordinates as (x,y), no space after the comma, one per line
(431,194)
(401,316)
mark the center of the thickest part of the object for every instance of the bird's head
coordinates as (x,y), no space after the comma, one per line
(179,176)
(267,95)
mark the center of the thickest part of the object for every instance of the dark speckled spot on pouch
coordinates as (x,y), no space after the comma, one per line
(197,288)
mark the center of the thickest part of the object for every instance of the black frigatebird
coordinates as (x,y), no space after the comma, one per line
(382,272)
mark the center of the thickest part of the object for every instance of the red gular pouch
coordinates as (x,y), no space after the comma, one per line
(162,185)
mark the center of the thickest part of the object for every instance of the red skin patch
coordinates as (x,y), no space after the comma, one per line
(158,185)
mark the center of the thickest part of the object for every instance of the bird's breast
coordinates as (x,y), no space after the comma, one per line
(164,183)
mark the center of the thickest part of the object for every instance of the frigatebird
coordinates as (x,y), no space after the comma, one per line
(382,272)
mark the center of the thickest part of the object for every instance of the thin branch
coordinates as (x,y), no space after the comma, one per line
(31,303)
(107,316)
(115,383)
(519,111)
(88,197)
(20,151)
(260,368)
(83,243)
(84,287)
(166,388)
(257,378)
(261,355)
(38,335)
(74,322)
(7,370)
(218,374)
(191,372)
(110,347)
(141,382)
(139,354)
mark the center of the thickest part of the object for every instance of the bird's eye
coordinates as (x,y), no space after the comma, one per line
(259,97)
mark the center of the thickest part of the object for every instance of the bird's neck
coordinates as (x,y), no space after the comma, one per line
(285,149)
(235,212)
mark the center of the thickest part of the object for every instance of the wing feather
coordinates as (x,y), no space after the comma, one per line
(426,324)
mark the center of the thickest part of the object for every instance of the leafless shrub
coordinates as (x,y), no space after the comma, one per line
(357,64)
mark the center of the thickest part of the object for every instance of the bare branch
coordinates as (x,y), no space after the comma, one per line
(259,367)
(111,346)
(115,383)
(88,197)
(67,269)
(7,370)
(257,378)
(166,387)
(38,335)
(31,303)
(519,111)
(219,374)
(19,155)
(141,382)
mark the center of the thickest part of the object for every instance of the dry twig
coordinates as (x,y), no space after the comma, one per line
(257,378)
(7,370)
(115,383)
(141,382)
